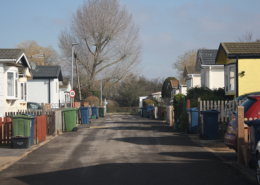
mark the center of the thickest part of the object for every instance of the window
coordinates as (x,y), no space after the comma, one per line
(232,78)
(12,85)
(23,91)
(230,82)
(188,82)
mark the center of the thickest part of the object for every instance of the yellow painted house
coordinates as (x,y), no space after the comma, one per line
(242,67)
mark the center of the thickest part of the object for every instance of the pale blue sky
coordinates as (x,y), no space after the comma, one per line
(168,27)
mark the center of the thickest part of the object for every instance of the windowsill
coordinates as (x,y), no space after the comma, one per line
(11,98)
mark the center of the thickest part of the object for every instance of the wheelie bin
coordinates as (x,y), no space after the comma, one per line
(101,111)
(84,112)
(193,120)
(142,111)
(70,117)
(164,112)
(94,111)
(32,128)
(21,130)
(139,111)
(210,124)
(150,107)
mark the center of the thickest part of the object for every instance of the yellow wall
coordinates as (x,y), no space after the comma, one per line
(223,60)
(250,82)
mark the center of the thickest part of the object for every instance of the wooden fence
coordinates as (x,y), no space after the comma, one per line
(226,109)
(6,130)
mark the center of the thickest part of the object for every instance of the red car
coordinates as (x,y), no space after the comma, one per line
(251,110)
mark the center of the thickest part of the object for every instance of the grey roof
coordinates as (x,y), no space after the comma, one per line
(47,72)
(205,57)
(182,82)
(11,53)
(191,70)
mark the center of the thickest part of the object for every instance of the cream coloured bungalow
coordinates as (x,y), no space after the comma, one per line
(14,73)
(192,77)
(212,74)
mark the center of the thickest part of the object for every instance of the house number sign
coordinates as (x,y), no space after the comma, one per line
(72,93)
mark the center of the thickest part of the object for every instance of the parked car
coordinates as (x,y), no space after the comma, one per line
(258,163)
(242,98)
(251,110)
(33,105)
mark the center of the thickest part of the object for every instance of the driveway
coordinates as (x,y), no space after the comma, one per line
(123,149)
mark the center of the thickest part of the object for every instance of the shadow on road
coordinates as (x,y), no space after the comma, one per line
(167,140)
(180,173)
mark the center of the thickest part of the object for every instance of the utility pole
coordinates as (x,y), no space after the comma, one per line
(72,55)
(75,54)
(101,92)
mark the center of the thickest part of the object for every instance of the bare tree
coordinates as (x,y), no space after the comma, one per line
(248,37)
(186,59)
(38,54)
(109,46)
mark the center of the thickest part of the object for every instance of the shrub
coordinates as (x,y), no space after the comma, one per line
(183,120)
(92,100)
(179,105)
(206,94)
(166,92)
(148,102)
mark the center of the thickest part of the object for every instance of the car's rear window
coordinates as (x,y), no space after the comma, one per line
(247,104)
(240,97)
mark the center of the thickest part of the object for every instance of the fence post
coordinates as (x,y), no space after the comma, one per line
(199,118)
(188,104)
(240,135)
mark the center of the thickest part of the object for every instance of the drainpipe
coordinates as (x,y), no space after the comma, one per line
(49,90)
(209,76)
(237,77)
(191,80)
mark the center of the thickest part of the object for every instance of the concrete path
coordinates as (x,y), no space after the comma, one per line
(123,149)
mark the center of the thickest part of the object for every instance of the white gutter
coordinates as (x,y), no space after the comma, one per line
(7,60)
(212,66)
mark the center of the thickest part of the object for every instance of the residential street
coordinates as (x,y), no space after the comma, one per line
(123,149)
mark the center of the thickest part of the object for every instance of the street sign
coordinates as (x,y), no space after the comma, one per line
(72,93)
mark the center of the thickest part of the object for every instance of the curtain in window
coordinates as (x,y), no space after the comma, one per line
(22,91)
(25,92)
(232,78)
(16,85)
(10,84)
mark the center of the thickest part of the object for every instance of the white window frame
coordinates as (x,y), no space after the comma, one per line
(227,78)
(15,83)
(24,97)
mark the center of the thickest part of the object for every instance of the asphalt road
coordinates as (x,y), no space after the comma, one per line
(123,149)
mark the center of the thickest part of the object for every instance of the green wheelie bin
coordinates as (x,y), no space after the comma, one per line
(21,131)
(70,117)
(22,125)
(101,112)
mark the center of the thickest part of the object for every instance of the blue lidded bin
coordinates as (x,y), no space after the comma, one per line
(210,124)
(32,129)
(84,112)
(193,123)
(150,107)
(95,111)
(142,113)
